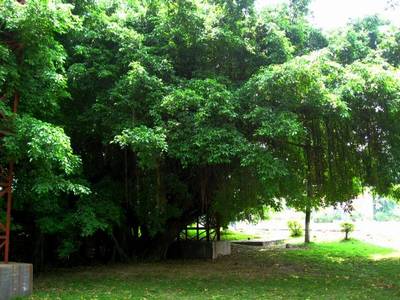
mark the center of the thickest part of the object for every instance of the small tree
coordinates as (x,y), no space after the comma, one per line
(295,228)
(347,228)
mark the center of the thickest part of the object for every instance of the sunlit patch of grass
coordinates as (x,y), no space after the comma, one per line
(229,235)
(392,255)
(336,259)
(226,235)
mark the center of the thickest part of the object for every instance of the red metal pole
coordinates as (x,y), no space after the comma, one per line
(16,103)
(5,239)
(8,218)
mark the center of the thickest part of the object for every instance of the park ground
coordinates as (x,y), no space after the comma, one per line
(326,270)
(385,234)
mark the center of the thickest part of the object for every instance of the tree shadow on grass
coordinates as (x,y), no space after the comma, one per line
(339,270)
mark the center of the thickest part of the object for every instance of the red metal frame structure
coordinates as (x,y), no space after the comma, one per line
(6,180)
(7,173)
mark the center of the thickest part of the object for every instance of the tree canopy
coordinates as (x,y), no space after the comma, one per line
(137,117)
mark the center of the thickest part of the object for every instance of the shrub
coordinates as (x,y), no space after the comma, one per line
(295,229)
(347,228)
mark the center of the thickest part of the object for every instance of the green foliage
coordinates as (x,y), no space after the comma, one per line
(373,95)
(347,228)
(199,118)
(140,116)
(47,170)
(295,228)
(146,142)
(274,44)
(301,37)
(295,105)
(39,77)
(358,40)
(44,145)
(299,8)
(385,209)
(390,48)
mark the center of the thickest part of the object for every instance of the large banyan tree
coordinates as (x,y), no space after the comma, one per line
(138,117)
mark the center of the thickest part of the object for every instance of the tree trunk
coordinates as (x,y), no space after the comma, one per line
(38,251)
(307,225)
(218,227)
(310,161)
(122,255)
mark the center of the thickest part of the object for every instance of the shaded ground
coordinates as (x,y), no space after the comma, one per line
(340,270)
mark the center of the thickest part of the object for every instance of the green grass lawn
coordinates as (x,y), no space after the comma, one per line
(339,270)
(226,235)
